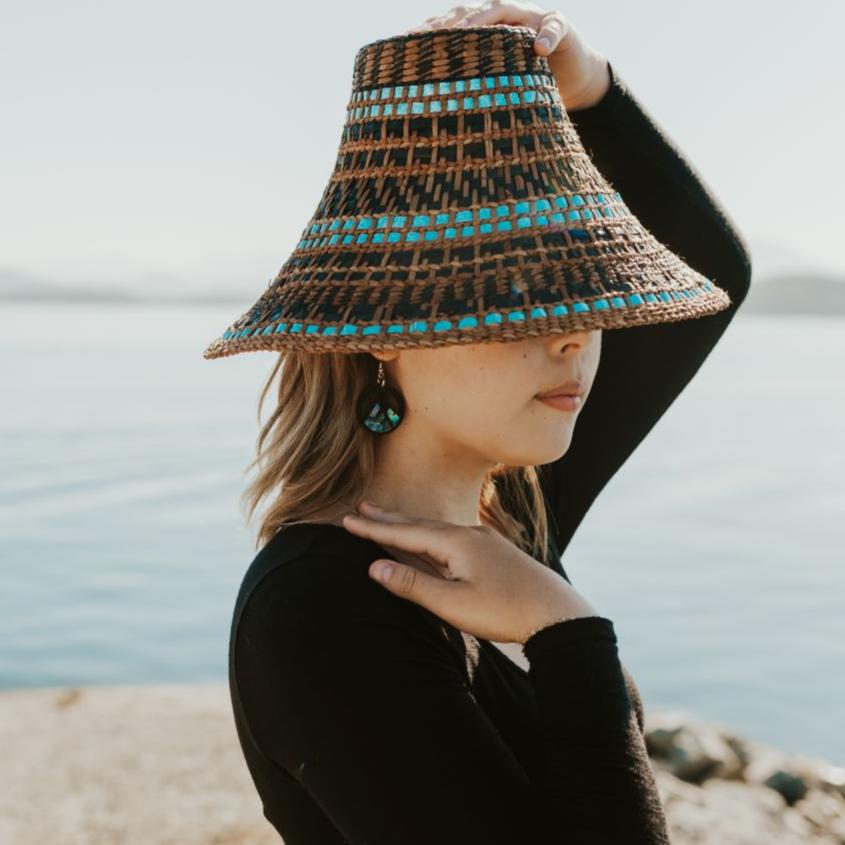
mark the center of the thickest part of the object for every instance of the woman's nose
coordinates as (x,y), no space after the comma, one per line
(576,339)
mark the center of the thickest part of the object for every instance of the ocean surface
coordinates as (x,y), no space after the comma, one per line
(718,549)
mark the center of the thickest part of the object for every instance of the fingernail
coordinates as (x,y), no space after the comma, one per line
(381,571)
(544,42)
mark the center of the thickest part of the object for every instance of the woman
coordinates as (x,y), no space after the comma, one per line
(396,710)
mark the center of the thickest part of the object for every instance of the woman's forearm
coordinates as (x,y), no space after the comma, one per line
(661,187)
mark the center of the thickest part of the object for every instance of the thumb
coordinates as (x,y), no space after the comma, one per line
(407,581)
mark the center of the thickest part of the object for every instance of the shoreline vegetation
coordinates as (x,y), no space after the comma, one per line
(160,764)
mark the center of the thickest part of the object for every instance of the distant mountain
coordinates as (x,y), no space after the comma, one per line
(797,293)
(17,286)
(24,287)
(793,292)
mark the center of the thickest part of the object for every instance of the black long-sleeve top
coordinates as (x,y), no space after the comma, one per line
(366,719)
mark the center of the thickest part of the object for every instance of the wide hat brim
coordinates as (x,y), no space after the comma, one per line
(463,207)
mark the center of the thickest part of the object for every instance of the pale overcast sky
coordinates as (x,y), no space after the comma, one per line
(193,140)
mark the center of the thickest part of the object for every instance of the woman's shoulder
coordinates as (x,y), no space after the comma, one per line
(303,558)
(311,580)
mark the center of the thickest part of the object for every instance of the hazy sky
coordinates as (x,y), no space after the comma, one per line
(193,140)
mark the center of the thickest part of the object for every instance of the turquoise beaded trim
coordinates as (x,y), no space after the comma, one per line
(471,321)
(433,92)
(446,225)
(456,86)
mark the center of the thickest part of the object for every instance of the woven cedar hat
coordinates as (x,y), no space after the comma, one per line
(463,208)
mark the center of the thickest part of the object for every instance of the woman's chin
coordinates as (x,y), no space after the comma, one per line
(557,442)
(544,448)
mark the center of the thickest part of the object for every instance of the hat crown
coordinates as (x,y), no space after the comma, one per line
(450,53)
(450,120)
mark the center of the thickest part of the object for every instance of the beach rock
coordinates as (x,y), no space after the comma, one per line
(792,787)
(792,777)
(695,752)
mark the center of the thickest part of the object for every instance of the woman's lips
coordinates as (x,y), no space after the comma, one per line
(563,401)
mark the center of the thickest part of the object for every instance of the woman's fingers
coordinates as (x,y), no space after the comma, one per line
(429,564)
(412,584)
(550,31)
(415,537)
(454,17)
(486,586)
(509,13)
(550,26)
(457,15)
(374,511)
(432,22)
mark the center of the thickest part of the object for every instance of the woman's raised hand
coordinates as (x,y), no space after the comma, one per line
(581,73)
(469,575)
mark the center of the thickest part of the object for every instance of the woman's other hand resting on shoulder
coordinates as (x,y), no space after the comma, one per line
(469,575)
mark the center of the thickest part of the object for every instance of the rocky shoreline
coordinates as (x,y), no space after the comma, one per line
(718,786)
(161,765)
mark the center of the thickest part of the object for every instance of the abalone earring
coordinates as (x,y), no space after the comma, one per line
(381,407)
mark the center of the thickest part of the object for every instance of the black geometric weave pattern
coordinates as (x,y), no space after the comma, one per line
(463,208)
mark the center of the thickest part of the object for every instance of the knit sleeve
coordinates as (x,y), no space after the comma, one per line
(595,753)
(642,369)
(362,698)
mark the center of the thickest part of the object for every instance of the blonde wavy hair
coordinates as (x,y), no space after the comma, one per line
(315,459)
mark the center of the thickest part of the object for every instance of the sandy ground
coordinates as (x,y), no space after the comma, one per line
(152,765)
(161,765)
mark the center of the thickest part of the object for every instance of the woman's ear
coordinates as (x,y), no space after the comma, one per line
(385,354)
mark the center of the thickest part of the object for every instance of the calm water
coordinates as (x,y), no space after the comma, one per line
(717,549)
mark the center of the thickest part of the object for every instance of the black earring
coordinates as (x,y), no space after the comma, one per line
(381,407)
